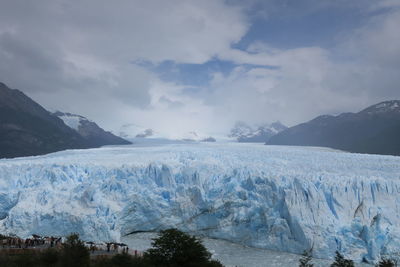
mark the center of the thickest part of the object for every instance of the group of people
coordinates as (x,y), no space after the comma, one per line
(38,242)
(121,248)
(112,247)
(35,241)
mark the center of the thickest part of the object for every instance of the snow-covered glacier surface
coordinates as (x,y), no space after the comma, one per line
(280,198)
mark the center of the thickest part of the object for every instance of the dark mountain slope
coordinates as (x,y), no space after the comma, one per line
(27,129)
(373,130)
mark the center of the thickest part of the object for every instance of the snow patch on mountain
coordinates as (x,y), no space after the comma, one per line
(71,120)
(384,107)
(281,198)
(243,132)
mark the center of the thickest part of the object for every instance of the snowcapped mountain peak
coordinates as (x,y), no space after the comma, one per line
(278,126)
(274,127)
(241,129)
(257,133)
(384,107)
(89,130)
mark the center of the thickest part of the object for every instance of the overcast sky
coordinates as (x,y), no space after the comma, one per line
(182,65)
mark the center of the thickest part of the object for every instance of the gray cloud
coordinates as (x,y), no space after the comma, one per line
(76,56)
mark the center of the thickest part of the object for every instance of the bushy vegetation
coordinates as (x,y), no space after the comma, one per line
(74,253)
(305,260)
(340,261)
(172,248)
(47,258)
(122,260)
(386,263)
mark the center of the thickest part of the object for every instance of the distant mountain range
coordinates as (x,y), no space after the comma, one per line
(374,130)
(131,131)
(135,133)
(27,129)
(260,134)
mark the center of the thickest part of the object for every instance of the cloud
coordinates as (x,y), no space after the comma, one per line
(84,57)
(292,91)
(301,83)
(82,50)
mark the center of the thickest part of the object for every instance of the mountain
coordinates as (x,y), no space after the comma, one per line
(281,198)
(133,131)
(137,134)
(209,139)
(145,133)
(28,129)
(90,131)
(374,130)
(261,134)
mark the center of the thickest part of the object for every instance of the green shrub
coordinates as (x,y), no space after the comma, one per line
(74,253)
(386,263)
(50,257)
(340,261)
(173,248)
(305,260)
(122,260)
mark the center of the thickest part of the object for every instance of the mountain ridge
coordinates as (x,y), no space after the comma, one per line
(373,130)
(89,130)
(28,129)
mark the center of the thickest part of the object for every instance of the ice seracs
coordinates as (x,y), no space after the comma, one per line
(281,198)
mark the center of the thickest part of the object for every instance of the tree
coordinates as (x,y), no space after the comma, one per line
(174,248)
(386,263)
(49,257)
(121,260)
(74,253)
(340,261)
(305,260)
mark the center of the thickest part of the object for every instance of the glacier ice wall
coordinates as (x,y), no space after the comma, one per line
(281,198)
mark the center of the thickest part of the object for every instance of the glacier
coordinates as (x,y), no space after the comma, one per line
(273,197)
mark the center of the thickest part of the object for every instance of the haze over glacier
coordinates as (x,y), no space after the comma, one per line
(280,198)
